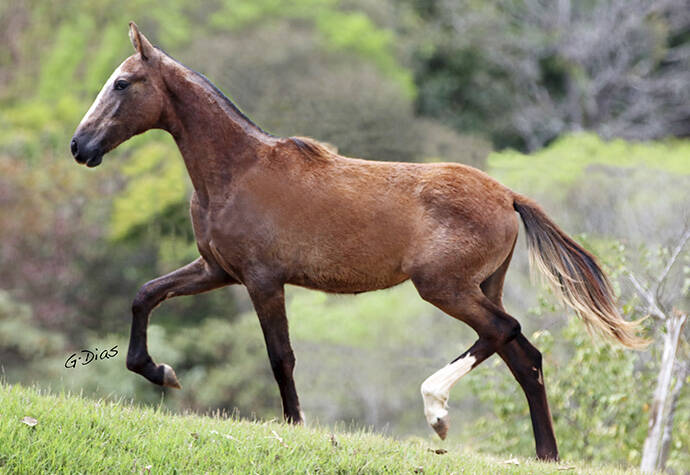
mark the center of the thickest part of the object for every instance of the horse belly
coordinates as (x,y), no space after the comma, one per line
(347,279)
(348,263)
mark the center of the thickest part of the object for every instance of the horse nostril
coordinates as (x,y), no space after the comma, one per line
(74,147)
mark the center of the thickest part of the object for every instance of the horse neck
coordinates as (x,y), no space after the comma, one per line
(215,139)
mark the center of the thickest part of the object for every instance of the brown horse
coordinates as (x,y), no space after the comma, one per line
(270,211)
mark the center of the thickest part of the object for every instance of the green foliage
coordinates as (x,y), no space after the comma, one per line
(20,339)
(355,32)
(157,181)
(596,393)
(18,136)
(457,90)
(366,320)
(565,161)
(343,31)
(105,58)
(174,20)
(73,434)
(61,62)
(227,365)
(236,15)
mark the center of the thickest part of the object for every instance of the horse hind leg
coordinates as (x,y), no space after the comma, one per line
(525,363)
(493,326)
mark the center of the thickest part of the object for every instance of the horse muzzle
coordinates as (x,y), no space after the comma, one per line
(84,153)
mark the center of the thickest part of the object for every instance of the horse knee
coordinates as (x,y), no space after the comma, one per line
(142,300)
(139,304)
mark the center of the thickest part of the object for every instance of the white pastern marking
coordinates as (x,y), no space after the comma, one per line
(436,388)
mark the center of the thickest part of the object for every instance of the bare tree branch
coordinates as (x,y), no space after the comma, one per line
(653,295)
(671,261)
(649,298)
(659,414)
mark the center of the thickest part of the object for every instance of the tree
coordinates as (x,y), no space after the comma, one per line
(658,302)
(531,70)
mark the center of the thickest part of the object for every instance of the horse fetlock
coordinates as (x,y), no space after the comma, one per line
(437,416)
(434,410)
(138,363)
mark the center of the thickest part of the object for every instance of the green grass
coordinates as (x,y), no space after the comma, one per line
(74,434)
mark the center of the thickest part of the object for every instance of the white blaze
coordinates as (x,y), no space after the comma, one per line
(436,388)
(107,87)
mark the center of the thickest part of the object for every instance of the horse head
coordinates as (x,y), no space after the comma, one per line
(132,101)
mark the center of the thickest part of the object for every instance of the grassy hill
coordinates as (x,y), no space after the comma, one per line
(74,434)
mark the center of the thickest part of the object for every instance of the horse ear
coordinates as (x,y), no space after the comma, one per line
(141,44)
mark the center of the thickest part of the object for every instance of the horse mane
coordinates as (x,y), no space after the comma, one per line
(309,147)
(313,148)
(218,93)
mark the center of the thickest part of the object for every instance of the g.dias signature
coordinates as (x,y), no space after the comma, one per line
(87,356)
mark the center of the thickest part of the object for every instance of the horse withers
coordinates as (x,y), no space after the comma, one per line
(269,211)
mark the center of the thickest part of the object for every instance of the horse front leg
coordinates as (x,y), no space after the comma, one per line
(269,303)
(196,277)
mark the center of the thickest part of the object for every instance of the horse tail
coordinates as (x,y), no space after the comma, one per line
(574,275)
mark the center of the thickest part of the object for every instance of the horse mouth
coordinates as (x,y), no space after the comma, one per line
(94,161)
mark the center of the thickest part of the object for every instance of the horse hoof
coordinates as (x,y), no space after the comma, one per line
(297,421)
(170,378)
(441,427)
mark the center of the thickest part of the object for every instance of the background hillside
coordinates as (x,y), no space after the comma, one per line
(583,106)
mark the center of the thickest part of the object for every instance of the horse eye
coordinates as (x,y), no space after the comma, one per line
(121,84)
